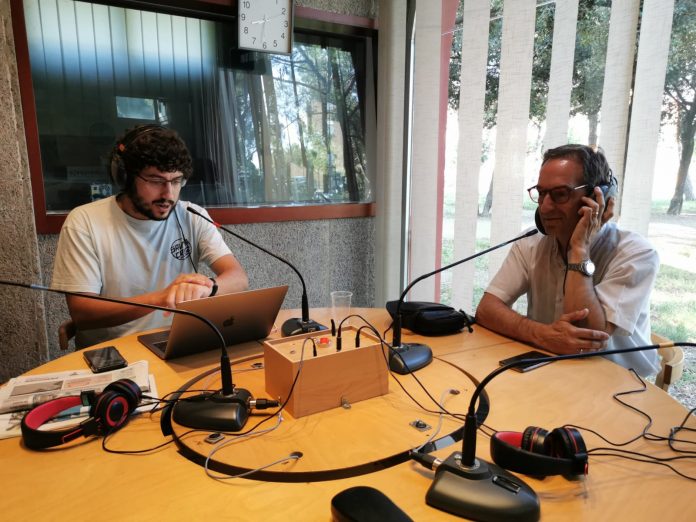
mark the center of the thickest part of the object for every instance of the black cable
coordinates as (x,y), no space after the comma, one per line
(134,452)
(681,427)
(157,409)
(615,451)
(644,434)
(384,334)
(383,343)
(282,406)
(641,457)
(186,242)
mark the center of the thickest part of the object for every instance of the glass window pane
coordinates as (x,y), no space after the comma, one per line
(263,129)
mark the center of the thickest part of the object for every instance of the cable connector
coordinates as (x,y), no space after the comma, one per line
(262,404)
(425,460)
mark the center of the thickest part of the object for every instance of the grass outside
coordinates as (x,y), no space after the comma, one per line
(672,312)
(660,206)
(673,304)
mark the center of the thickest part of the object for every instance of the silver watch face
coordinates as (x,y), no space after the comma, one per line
(588,267)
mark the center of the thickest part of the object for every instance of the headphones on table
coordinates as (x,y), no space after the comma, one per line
(537,452)
(119,175)
(109,411)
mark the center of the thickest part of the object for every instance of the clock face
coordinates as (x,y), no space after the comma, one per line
(265,25)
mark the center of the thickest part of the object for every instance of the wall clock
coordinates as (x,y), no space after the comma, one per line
(265,25)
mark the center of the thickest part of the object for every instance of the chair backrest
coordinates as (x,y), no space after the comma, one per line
(66,331)
(671,362)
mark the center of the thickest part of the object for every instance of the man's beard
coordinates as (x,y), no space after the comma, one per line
(140,205)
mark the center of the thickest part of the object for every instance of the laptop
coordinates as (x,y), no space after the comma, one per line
(240,317)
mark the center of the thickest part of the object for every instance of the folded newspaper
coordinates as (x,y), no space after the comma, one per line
(23,393)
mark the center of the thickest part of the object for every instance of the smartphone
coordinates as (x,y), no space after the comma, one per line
(104,359)
(533,354)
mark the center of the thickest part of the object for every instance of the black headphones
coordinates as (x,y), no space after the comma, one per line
(109,411)
(119,175)
(537,452)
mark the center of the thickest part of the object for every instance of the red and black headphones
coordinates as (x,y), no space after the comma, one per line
(537,452)
(109,411)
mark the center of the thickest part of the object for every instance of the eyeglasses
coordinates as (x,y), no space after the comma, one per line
(160,183)
(558,195)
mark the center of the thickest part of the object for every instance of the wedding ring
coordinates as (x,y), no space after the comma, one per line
(595,214)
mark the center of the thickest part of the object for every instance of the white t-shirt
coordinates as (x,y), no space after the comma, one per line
(105,251)
(626,266)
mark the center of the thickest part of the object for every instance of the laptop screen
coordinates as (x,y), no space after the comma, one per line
(240,317)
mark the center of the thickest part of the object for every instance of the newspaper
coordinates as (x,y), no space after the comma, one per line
(10,423)
(23,393)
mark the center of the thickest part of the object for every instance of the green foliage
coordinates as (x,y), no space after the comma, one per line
(592,34)
(590,56)
(680,95)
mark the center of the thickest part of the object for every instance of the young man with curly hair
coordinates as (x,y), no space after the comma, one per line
(142,244)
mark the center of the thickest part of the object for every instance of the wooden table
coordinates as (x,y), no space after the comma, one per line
(81,481)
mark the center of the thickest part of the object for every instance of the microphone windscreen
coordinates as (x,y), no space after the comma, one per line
(365,504)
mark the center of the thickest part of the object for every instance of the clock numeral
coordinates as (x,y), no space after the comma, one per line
(278,33)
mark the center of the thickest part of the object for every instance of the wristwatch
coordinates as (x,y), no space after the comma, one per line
(585,268)
(215,287)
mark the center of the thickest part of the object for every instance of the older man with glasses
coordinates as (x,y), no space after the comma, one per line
(141,244)
(587,282)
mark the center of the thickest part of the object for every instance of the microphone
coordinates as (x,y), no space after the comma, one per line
(226,410)
(474,488)
(409,357)
(292,326)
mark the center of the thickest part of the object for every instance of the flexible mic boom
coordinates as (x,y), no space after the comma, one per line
(292,326)
(405,358)
(226,410)
(480,490)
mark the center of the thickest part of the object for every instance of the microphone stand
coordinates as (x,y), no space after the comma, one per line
(409,357)
(294,325)
(480,490)
(225,410)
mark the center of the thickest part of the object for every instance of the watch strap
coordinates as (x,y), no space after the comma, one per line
(580,267)
(214,290)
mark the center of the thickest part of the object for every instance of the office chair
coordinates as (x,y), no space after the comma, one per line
(66,331)
(671,361)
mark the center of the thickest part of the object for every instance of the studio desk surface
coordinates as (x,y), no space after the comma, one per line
(81,481)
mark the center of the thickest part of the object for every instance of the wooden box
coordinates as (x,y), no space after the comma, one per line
(328,379)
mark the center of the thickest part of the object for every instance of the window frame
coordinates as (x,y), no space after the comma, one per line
(307,19)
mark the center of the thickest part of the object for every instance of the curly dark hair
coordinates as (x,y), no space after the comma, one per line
(151,146)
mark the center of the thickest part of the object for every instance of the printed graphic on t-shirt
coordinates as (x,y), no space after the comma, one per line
(181,249)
